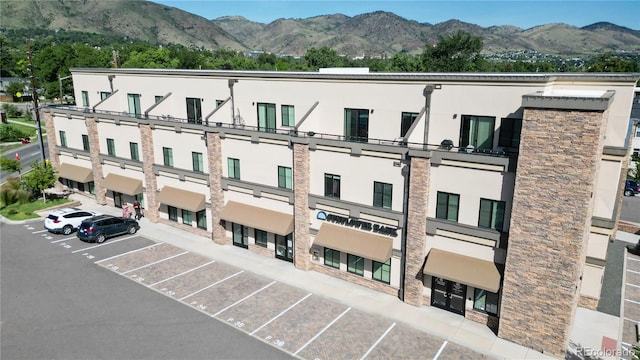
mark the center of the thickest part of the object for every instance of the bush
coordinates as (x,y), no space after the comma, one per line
(12,111)
(11,133)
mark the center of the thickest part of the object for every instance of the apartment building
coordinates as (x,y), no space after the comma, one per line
(493,196)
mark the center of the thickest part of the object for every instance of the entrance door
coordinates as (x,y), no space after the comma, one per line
(117,199)
(240,235)
(448,295)
(284,247)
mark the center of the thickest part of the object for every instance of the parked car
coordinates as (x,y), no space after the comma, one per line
(99,228)
(631,188)
(25,140)
(66,220)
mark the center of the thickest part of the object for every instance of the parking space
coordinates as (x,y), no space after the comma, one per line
(631,306)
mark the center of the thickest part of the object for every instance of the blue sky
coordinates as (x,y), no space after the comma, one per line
(522,13)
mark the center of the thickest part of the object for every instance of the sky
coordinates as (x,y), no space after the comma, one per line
(521,13)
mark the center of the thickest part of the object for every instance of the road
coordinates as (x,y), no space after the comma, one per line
(28,154)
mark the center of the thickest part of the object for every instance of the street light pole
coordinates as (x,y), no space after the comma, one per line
(60,82)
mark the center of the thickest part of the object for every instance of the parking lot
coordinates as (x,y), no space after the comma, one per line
(302,324)
(631,307)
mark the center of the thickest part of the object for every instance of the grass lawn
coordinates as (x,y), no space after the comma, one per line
(27,211)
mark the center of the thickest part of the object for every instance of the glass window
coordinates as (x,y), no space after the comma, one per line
(172,212)
(382,194)
(104,94)
(167,155)
(196,159)
(332,186)
(85,98)
(261,237)
(194,110)
(356,124)
(355,264)
(447,206)
(485,301)
(288,117)
(477,131)
(111,147)
(186,217)
(92,187)
(408,118)
(63,138)
(491,214)
(157,98)
(233,168)
(510,132)
(332,258)
(219,102)
(382,271)
(284,177)
(266,117)
(201,219)
(85,142)
(133,148)
(240,235)
(134,104)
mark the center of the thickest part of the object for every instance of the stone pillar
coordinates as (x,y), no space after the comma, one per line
(551,214)
(301,213)
(94,155)
(214,156)
(420,170)
(150,180)
(52,138)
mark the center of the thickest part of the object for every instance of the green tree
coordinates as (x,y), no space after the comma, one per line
(323,57)
(459,52)
(634,172)
(403,62)
(158,58)
(10,165)
(41,177)
(607,62)
(12,192)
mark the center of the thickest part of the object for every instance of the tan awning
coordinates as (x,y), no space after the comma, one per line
(258,218)
(123,184)
(463,269)
(75,173)
(354,242)
(182,199)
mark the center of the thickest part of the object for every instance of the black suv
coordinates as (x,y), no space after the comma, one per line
(99,228)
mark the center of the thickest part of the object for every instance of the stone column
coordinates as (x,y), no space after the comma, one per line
(214,156)
(420,169)
(551,214)
(94,155)
(301,213)
(52,138)
(150,180)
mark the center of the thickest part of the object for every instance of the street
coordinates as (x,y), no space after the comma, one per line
(28,154)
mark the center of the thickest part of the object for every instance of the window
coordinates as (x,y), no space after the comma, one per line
(186,217)
(85,142)
(111,147)
(172,212)
(491,214)
(447,206)
(157,98)
(382,194)
(408,118)
(332,258)
(92,187)
(485,301)
(477,131)
(104,95)
(219,102)
(167,155)
(194,111)
(288,117)
(196,159)
(85,98)
(134,104)
(240,235)
(63,138)
(133,148)
(355,264)
(261,238)
(356,124)
(266,117)
(382,271)
(201,219)
(332,186)
(234,168)
(284,177)
(510,132)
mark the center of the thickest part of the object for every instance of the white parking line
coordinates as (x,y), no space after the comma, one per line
(182,273)
(65,239)
(322,331)
(378,341)
(440,350)
(635,302)
(214,284)
(105,243)
(282,313)
(243,299)
(153,263)
(626,318)
(41,231)
(130,252)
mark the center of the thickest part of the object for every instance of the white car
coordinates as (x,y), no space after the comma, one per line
(66,220)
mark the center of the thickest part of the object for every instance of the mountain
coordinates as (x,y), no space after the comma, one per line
(373,34)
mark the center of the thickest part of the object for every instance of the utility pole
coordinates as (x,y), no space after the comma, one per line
(34,95)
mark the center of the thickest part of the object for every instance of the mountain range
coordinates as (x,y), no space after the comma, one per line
(371,34)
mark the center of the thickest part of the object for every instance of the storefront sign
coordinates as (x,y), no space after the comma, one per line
(358,224)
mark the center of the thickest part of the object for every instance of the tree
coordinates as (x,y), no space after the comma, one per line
(607,62)
(10,165)
(41,177)
(12,192)
(455,53)
(322,58)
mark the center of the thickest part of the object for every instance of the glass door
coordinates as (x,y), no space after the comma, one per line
(117,199)
(448,295)
(240,235)
(284,247)
(439,295)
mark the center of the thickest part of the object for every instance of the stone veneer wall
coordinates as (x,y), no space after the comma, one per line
(94,155)
(184,227)
(214,151)
(588,302)
(355,279)
(301,187)
(482,318)
(257,249)
(416,230)
(150,181)
(52,139)
(549,226)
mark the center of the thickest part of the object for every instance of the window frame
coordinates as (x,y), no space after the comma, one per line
(383,270)
(510,131)
(331,260)
(111,147)
(63,138)
(133,101)
(133,149)
(167,156)
(266,117)
(233,168)
(194,110)
(446,215)
(352,264)
(330,181)
(201,219)
(470,127)
(380,197)
(197,161)
(86,146)
(480,304)
(406,121)
(85,98)
(494,211)
(264,240)
(287,113)
(285,177)
(172,213)
(356,121)
(187,217)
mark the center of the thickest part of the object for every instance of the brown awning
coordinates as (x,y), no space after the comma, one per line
(258,218)
(123,184)
(182,199)
(75,173)
(463,269)
(354,242)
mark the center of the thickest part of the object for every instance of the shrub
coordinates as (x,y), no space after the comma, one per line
(12,111)
(11,133)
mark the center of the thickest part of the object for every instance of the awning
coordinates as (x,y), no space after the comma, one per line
(75,173)
(463,269)
(258,218)
(182,199)
(123,184)
(354,242)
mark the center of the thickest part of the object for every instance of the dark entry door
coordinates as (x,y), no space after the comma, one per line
(117,199)
(448,295)
(284,247)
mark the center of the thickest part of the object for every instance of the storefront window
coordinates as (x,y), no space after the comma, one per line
(486,301)
(201,219)
(172,212)
(261,237)
(332,258)
(382,271)
(355,264)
